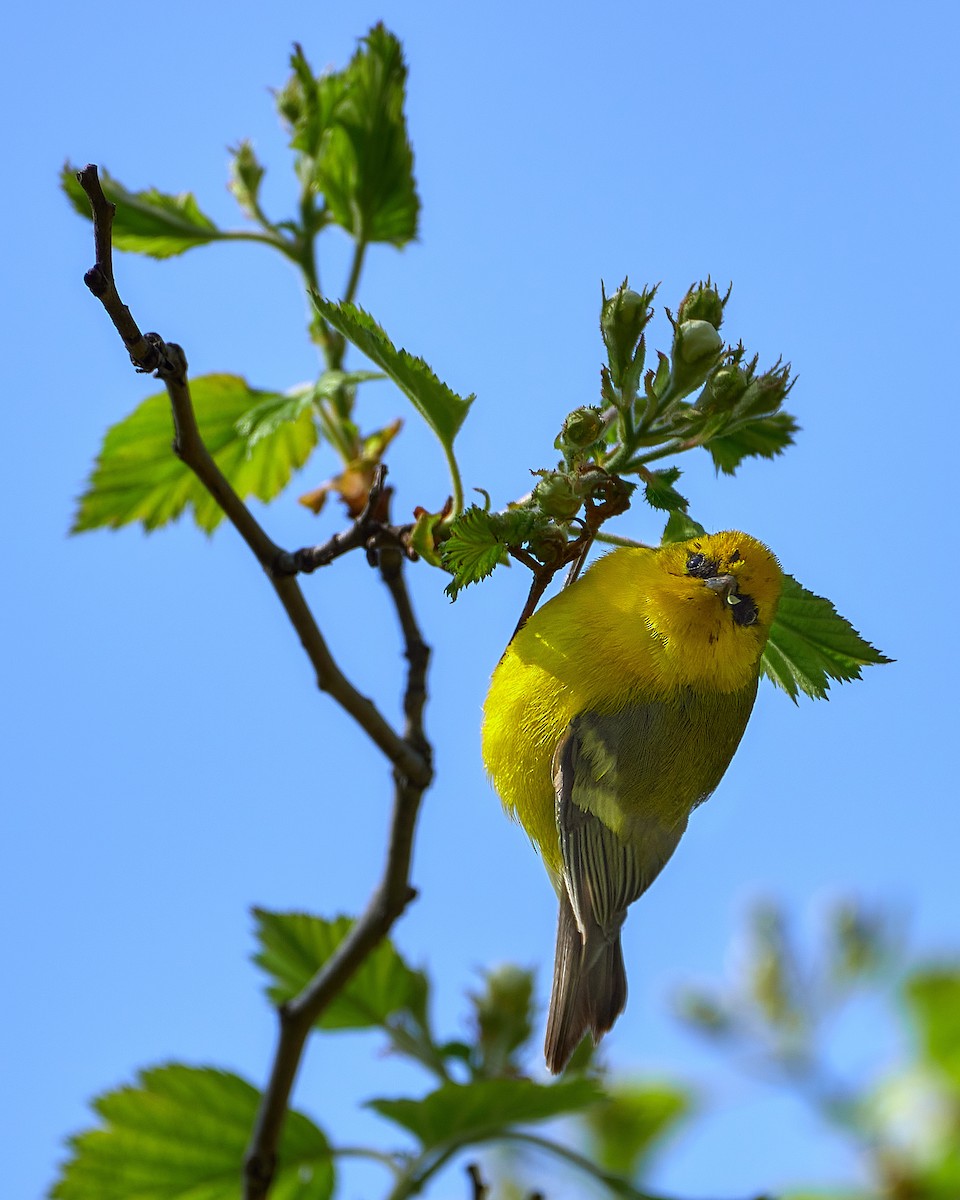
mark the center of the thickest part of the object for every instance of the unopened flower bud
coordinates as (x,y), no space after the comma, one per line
(766,393)
(622,319)
(582,428)
(548,543)
(703,303)
(696,342)
(557,495)
(722,390)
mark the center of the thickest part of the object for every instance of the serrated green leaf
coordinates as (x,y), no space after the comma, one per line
(659,491)
(763,438)
(181,1134)
(365,165)
(630,1122)
(473,549)
(680,528)
(148,222)
(138,478)
(477,1111)
(294,946)
(810,644)
(442,409)
(309,105)
(932,996)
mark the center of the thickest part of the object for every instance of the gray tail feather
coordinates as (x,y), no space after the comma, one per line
(589,987)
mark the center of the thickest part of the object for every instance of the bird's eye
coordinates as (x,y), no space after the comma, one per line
(701,566)
(735,556)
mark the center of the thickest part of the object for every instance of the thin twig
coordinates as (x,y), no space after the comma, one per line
(386,905)
(480,1190)
(370,530)
(150,353)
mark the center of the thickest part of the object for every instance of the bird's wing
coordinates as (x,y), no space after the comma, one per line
(603,873)
(625,783)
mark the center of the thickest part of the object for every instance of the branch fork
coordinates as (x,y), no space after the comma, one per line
(408,751)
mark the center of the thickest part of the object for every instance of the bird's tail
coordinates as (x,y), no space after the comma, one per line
(589,987)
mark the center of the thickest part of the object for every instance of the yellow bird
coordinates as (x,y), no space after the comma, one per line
(613,713)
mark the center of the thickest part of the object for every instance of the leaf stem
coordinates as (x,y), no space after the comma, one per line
(359,250)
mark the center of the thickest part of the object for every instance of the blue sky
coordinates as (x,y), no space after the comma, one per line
(169,762)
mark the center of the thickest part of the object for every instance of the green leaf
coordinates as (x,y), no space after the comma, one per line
(365,165)
(181,1134)
(932,996)
(629,1123)
(294,946)
(680,528)
(442,409)
(763,438)
(660,492)
(473,550)
(480,1110)
(309,105)
(148,222)
(810,644)
(256,438)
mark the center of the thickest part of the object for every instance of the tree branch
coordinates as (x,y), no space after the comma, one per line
(386,904)
(150,354)
(409,753)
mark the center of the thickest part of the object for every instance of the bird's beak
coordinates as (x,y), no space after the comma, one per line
(725,586)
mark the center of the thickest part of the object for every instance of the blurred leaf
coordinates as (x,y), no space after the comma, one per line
(933,1002)
(707,1014)
(680,527)
(365,167)
(148,222)
(763,438)
(331,382)
(476,1111)
(246,175)
(276,410)
(309,104)
(859,942)
(294,946)
(181,1134)
(442,409)
(628,1124)
(137,476)
(502,1015)
(810,644)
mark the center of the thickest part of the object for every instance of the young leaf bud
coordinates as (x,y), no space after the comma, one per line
(245,176)
(290,101)
(502,1013)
